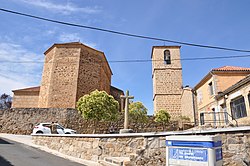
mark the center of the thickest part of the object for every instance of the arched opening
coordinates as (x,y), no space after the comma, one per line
(167,58)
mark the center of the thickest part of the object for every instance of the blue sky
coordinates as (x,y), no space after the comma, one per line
(221,23)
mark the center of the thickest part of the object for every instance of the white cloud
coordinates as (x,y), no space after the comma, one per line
(50,32)
(16,69)
(74,37)
(7,85)
(62,8)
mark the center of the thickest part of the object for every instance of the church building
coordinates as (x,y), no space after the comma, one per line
(70,71)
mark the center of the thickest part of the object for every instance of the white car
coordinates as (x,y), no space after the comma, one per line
(44,128)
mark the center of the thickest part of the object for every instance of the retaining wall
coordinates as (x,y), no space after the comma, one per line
(22,121)
(145,148)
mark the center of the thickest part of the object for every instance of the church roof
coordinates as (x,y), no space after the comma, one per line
(30,89)
(70,43)
(112,87)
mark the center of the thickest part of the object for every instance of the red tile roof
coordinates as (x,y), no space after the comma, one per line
(33,89)
(231,68)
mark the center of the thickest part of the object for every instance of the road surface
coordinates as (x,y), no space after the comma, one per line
(17,154)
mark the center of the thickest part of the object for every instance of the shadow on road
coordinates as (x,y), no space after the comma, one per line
(4,162)
(4,142)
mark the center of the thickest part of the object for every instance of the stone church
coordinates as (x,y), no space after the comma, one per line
(167,79)
(70,71)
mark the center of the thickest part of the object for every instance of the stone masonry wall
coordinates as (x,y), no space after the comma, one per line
(70,71)
(88,79)
(63,81)
(116,93)
(25,100)
(46,77)
(75,121)
(22,121)
(167,81)
(142,150)
(162,102)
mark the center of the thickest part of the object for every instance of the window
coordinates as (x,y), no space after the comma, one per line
(167,59)
(199,97)
(211,88)
(238,108)
(224,111)
(249,99)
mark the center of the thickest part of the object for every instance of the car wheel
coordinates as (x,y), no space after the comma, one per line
(67,133)
(39,132)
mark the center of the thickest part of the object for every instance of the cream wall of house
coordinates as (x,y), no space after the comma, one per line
(204,98)
(224,81)
(187,105)
(244,91)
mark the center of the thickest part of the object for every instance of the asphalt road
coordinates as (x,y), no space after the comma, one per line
(17,154)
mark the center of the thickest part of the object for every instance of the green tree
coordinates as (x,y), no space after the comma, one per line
(184,118)
(98,106)
(138,112)
(162,116)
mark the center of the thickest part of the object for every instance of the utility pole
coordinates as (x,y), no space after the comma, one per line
(126,98)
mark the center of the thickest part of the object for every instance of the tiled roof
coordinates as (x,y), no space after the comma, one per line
(231,68)
(112,87)
(33,89)
(224,69)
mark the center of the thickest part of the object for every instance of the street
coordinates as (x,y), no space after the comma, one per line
(17,154)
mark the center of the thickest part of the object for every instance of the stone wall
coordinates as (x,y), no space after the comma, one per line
(144,149)
(170,103)
(94,72)
(24,99)
(22,121)
(116,93)
(188,104)
(70,71)
(46,77)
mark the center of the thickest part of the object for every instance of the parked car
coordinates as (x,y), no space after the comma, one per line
(45,128)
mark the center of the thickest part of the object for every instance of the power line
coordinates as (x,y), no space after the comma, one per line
(140,60)
(124,33)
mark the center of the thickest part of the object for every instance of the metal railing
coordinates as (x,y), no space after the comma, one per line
(217,119)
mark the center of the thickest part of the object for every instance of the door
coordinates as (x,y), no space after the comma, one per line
(202,119)
(59,129)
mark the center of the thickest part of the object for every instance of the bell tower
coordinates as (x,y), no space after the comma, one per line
(167,79)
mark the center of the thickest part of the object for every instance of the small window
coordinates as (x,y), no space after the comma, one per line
(249,99)
(238,108)
(167,58)
(211,88)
